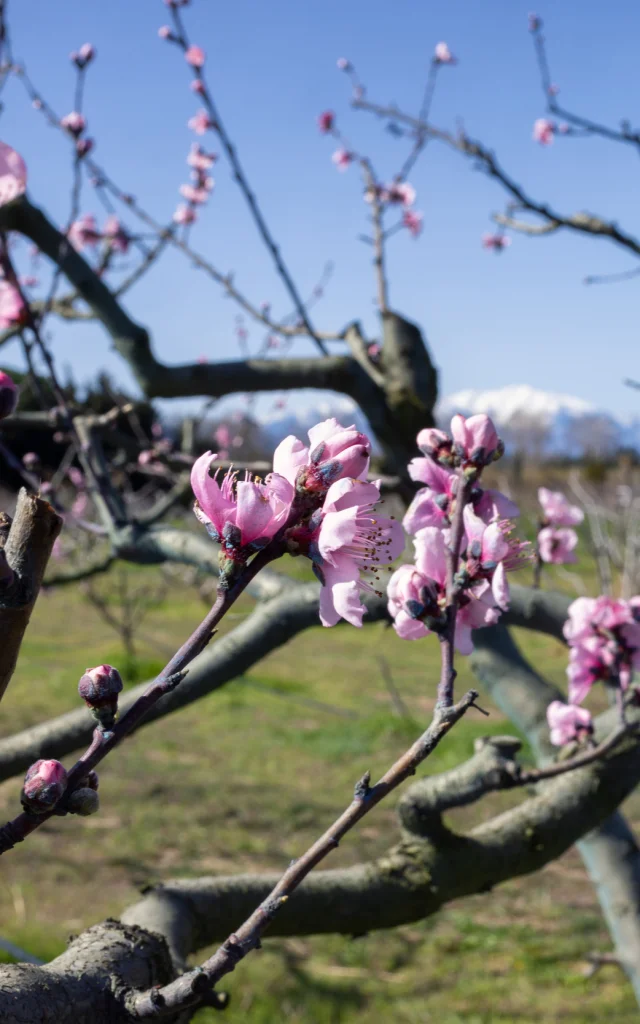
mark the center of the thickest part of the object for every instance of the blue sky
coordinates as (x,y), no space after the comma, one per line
(523,317)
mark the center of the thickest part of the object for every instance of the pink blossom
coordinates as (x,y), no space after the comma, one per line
(434,504)
(199,159)
(476,439)
(165,32)
(553,89)
(13,174)
(73,123)
(195,56)
(83,232)
(326,121)
(342,158)
(557,545)
(491,552)
(116,234)
(9,394)
(196,195)
(495,241)
(343,64)
(335,452)
(604,636)
(567,722)
(417,595)
(239,513)
(84,56)
(400,192)
(412,220)
(543,131)
(12,308)
(184,214)
(345,538)
(84,146)
(222,435)
(197,86)
(200,122)
(443,55)
(557,510)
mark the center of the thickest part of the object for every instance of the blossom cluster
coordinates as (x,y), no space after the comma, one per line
(556,540)
(84,233)
(199,189)
(317,502)
(396,193)
(603,634)
(420,596)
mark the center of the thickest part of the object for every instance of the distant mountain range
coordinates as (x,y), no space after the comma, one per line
(535,421)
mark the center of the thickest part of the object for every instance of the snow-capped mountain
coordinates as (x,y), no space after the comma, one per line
(544,422)
(505,404)
(539,422)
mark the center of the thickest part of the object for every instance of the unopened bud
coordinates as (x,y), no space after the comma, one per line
(44,785)
(8,395)
(436,445)
(99,688)
(83,801)
(84,146)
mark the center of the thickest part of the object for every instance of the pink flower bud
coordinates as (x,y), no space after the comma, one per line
(344,64)
(8,395)
(195,56)
(197,86)
(184,214)
(543,131)
(567,722)
(476,439)
(342,158)
(44,785)
(84,146)
(99,688)
(87,52)
(74,123)
(326,121)
(443,55)
(434,443)
(412,220)
(30,460)
(165,32)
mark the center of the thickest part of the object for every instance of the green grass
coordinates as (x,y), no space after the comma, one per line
(246,778)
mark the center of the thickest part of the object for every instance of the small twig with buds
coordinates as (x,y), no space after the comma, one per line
(186,990)
(181,40)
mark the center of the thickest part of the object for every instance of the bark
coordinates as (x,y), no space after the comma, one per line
(609,851)
(27,547)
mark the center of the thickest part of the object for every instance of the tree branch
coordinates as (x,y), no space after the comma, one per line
(582,222)
(27,547)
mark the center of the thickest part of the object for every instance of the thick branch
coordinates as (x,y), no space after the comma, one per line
(27,550)
(133,344)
